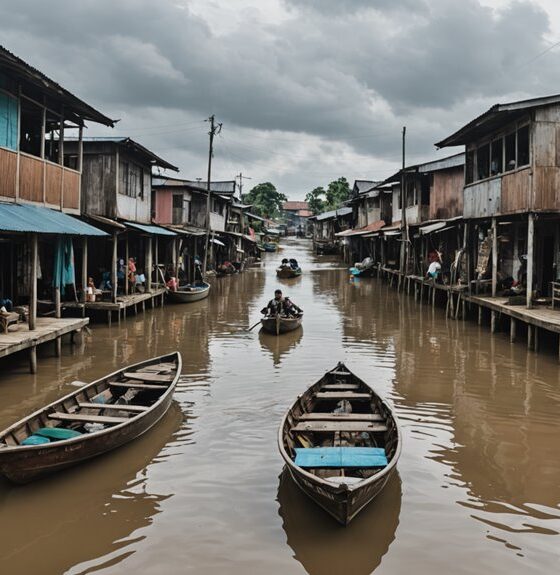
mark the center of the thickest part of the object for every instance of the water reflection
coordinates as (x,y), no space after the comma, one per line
(279,346)
(323,546)
(87,512)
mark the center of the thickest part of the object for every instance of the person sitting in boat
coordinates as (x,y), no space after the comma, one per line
(275,306)
(293,264)
(290,308)
(285,263)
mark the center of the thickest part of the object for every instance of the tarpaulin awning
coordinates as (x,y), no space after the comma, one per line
(431,228)
(28,218)
(106,221)
(373,227)
(186,230)
(150,229)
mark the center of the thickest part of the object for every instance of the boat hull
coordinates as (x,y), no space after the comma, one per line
(344,498)
(183,296)
(22,464)
(286,273)
(285,325)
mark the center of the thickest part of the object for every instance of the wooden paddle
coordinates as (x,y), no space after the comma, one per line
(250,328)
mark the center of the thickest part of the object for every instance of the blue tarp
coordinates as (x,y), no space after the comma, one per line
(8,121)
(28,218)
(341,457)
(64,273)
(155,230)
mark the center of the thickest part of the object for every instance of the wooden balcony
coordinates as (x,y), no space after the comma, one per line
(25,177)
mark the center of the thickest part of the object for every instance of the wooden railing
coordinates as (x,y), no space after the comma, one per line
(38,181)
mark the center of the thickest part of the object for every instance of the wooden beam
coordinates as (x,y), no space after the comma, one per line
(530,258)
(148,259)
(340,417)
(84,267)
(59,416)
(329,426)
(33,293)
(126,258)
(494,257)
(113,406)
(114,269)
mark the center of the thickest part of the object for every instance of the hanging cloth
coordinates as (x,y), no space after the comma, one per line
(64,272)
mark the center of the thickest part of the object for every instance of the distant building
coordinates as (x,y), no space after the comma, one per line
(296,215)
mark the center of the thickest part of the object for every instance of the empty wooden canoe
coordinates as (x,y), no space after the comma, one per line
(278,325)
(92,420)
(190,293)
(341,443)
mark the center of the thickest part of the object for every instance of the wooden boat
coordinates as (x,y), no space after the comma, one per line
(341,443)
(281,324)
(189,293)
(270,247)
(285,272)
(92,420)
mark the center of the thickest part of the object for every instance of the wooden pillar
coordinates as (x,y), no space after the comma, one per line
(114,269)
(57,304)
(530,256)
(529,336)
(148,273)
(479,315)
(33,286)
(536,338)
(176,258)
(84,267)
(126,258)
(33,359)
(156,259)
(512,330)
(493,321)
(494,257)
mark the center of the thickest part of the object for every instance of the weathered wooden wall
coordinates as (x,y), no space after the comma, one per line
(99,185)
(8,171)
(446,194)
(516,191)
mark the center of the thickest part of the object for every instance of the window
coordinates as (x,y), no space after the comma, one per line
(497,157)
(410,193)
(510,152)
(483,161)
(469,168)
(425,193)
(131,179)
(523,146)
(31,128)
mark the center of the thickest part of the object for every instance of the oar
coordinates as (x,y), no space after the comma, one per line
(250,328)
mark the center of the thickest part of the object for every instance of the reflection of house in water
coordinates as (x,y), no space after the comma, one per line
(319,543)
(94,508)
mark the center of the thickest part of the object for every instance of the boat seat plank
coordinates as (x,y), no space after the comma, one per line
(353,426)
(338,395)
(340,387)
(114,406)
(86,418)
(340,417)
(133,385)
(342,373)
(341,457)
(149,377)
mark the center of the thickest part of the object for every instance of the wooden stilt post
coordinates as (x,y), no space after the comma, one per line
(149,264)
(494,257)
(114,270)
(493,321)
(84,268)
(512,330)
(529,336)
(530,257)
(479,315)
(536,339)
(126,258)
(33,286)
(33,359)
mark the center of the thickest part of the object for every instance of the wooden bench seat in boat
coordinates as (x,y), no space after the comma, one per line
(354,426)
(115,406)
(340,387)
(315,416)
(341,457)
(86,417)
(339,395)
(340,373)
(149,377)
(132,385)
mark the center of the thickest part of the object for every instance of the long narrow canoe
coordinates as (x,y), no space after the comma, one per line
(270,247)
(190,293)
(341,443)
(279,324)
(285,272)
(94,419)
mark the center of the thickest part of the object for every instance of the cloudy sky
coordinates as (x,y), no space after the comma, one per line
(307,90)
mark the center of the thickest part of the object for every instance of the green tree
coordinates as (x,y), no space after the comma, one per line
(265,199)
(338,191)
(315,200)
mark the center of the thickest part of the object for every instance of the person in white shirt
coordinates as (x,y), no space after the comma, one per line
(433,270)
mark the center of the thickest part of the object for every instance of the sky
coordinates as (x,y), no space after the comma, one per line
(307,90)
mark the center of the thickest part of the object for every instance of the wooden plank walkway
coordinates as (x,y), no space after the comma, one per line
(121,305)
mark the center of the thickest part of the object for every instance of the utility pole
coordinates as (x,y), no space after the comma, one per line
(241,178)
(214,129)
(404,226)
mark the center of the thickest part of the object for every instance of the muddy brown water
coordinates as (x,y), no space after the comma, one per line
(478,488)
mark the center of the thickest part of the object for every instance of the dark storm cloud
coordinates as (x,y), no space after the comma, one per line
(335,74)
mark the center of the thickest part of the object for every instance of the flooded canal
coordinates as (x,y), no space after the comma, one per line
(478,483)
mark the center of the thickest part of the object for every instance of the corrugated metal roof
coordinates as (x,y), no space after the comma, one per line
(373,227)
(29,218)
(150,229)
(334,214)
(292,205)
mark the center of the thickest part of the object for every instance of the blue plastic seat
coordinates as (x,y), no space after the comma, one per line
(348,457)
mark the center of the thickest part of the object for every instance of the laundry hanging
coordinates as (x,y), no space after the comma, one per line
(64,271)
